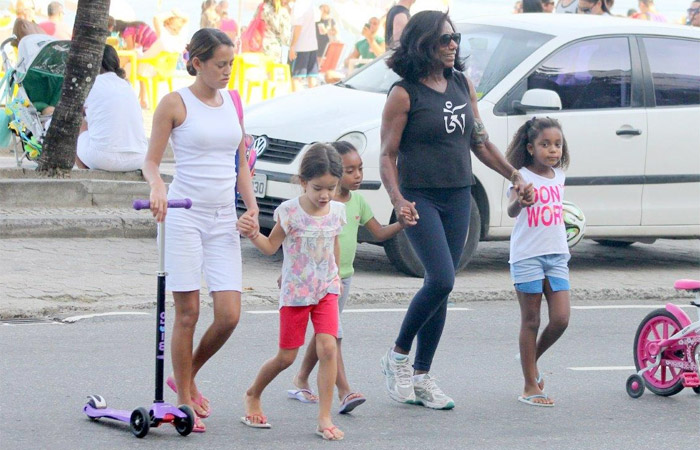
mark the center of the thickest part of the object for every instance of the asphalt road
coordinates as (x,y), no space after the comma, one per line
(48,369)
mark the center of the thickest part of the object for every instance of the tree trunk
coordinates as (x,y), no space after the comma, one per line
(83,65)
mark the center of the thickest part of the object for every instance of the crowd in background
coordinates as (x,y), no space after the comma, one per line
(295,32)
(646,9)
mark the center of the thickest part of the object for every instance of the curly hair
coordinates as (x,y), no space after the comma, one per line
(320,159)
(517,154)
(417,56)
(343,147)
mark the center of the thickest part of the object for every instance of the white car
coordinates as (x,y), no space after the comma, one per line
(627,93)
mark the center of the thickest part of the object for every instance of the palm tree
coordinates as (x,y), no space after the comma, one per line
(83,65)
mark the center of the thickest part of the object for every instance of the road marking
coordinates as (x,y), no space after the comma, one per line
(602,368)
(627,306)
(366,310)
(74,319)
(30,321)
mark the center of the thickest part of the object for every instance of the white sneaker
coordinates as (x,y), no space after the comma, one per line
(399,378)
(430,395)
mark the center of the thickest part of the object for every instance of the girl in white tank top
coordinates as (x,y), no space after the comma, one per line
(205,147)
(206,134)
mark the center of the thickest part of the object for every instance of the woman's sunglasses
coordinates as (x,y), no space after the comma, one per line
(445,39)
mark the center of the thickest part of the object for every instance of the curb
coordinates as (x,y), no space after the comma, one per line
(67,225)
(26,173)
(33,193)
(259,300)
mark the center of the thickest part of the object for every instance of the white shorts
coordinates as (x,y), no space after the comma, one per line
(202,240)
(109,161)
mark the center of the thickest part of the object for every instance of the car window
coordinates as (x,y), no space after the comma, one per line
(675,70)
(590,74)
(491,53)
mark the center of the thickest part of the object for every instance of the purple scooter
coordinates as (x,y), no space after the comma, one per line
(142,419)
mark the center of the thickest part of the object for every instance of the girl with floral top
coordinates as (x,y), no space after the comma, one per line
(307,228)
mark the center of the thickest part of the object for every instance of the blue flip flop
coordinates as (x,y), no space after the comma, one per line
(529,400)
(347,406)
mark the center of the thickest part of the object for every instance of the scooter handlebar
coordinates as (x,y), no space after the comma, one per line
(178,203)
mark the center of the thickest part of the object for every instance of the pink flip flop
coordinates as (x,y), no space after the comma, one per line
(170,381)
(199,426)
(256,420)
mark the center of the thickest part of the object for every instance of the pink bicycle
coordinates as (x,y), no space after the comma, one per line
(667,349)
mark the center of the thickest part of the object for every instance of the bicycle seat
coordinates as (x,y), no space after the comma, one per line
(687,285)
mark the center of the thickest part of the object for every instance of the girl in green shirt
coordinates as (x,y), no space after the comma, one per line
(358,213)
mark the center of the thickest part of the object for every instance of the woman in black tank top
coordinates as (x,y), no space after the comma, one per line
(430,122)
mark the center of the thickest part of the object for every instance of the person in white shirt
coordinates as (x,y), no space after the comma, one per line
(111,136)
(201,121)
(539,252)
(303,51)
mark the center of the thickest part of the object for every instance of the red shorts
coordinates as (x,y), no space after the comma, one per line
(294,319)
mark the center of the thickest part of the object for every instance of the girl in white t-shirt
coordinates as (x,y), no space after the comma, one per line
(307,228)
(538,249)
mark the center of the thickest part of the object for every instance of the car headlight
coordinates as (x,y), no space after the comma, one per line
(357,139)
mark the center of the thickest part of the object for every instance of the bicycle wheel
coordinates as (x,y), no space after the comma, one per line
(662,380)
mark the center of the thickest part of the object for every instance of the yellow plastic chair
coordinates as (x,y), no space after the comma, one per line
(164,65)
(279,75)
(113,41)
(250,71)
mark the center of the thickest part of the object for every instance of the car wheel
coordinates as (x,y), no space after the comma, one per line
(613,243)
(401,254)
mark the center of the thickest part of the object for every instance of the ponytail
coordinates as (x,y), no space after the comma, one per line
(110,62)
(517,153)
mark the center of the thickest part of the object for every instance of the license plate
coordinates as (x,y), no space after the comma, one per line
(259,185)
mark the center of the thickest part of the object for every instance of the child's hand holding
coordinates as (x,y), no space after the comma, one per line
(526,196)
(248,226)
(407,215)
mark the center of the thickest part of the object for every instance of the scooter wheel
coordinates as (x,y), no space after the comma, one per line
(185,425)
(635,386)
(140,422)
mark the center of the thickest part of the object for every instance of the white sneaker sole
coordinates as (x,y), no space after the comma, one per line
(446,406)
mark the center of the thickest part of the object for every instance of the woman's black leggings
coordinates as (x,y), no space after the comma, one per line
(438,240)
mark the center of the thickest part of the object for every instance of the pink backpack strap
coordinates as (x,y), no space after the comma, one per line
(237,103)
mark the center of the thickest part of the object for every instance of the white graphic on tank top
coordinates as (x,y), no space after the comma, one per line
(453,119)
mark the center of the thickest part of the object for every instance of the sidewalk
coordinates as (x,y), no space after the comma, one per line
(90,203)
(57,278)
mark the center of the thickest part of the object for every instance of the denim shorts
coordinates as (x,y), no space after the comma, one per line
(528,274)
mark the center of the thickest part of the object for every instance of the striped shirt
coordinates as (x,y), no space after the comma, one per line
(143,35)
